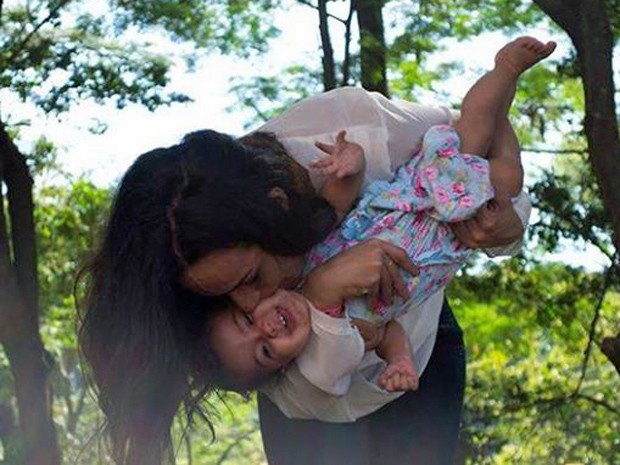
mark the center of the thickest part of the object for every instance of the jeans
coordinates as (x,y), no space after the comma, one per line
(418,428)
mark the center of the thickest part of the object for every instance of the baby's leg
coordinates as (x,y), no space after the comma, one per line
(394,348)
(491,96)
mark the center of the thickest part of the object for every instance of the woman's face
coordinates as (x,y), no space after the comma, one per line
(254,345)
(245,274)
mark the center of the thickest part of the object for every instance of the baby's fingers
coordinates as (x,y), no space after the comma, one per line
(321,162)
(327,148)
(327,171)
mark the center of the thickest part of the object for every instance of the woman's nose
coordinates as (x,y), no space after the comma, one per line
(246,297)
(269,288)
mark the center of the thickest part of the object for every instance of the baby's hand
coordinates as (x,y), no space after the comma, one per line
(345,158)
(399,375)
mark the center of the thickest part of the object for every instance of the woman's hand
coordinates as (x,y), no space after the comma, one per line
(495,224)
(369,268)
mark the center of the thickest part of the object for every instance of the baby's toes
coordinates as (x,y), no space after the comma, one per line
(412,383)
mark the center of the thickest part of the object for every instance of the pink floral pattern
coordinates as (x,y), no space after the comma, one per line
(438,185)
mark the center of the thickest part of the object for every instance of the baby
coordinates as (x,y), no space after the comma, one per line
(444,182)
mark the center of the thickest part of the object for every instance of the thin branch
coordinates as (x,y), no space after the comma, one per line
(76,411)
(329,76)
(238,440)
(555,151)
(188,448)
(546,404)
(600,403)
(50,15)
(346,62)
(597,313)
(307,3)
(264,117)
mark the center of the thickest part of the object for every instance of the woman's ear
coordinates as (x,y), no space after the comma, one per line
(278,194)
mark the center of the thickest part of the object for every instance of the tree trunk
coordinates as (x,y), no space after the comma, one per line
(19,323)
(588,25)
(372,45)
(611,348)
(8,434)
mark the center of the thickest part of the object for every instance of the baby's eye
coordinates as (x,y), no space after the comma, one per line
(251,279)
(247,318)
(267,351)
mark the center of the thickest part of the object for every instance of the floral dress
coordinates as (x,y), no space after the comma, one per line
(438,185)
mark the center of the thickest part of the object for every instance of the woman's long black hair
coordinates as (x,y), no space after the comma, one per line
(138,327)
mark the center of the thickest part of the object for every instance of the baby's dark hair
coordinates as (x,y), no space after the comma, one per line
(173,206)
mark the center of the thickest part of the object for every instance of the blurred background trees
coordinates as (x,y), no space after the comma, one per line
(543,336)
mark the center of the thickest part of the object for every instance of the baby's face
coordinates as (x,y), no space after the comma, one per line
(254,345)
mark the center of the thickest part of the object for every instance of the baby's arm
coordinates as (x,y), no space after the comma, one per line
(391,343)
(344,167)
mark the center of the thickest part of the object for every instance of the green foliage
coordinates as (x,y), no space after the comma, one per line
(233,27)
(570,206)
(56,53)
(68,217)
(526,330)
(237,439)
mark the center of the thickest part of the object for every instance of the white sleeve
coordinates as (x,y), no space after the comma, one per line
(523,209)
(389,130)
(332,354)
(406,123)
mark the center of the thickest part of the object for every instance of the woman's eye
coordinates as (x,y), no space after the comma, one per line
(251,279)
(248,318)
(267,352)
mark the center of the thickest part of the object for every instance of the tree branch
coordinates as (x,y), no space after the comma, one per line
(50,15)
(307,3)
(7,278)
(600,403)
(611,348)
(8,434)
(238,440)
(563,12)
(548,403)
(555,151)
(597,313)
(329,77)
(21,211)
(346,62)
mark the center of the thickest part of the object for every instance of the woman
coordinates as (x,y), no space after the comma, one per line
(419,427)
(177,213)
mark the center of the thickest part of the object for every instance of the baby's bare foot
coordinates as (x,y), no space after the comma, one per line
(523,53)
(399,375)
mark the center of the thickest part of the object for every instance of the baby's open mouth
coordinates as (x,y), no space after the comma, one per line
(286,319)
